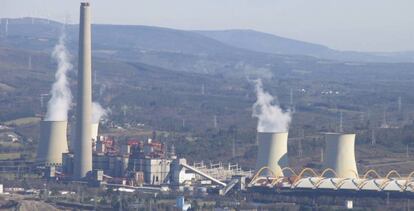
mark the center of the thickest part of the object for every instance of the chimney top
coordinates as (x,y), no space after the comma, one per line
(84,4)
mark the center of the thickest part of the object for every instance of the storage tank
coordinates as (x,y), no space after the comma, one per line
(272,152)
(340,155)
(53,142)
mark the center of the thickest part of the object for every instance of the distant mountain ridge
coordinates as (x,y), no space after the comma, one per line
(269,43)
(264,42)
(118,36)
(40,33)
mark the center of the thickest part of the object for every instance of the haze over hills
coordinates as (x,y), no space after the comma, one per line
(269,43)
(143,42)
(167,48)
(118,37)
(263,42)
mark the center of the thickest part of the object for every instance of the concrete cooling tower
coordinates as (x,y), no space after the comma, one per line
(83,145)
(272,152)
(53,142)
(94,134)
(94,131)
(340,154)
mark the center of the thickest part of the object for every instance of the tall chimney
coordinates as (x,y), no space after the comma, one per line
(83,143)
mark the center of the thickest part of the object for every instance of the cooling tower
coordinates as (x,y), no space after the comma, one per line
(94,131)
(94,134)
(340,154)
(83,145)
(272,152)
(53,142)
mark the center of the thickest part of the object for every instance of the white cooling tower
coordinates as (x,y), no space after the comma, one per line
(272,152)
(340,154)
(53,142)
(94,131)
(94,134)
(83,143)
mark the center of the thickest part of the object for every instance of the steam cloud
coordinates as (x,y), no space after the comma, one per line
(98,112)
(271,118)
(59,103)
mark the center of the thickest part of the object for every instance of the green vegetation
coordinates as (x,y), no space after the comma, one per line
(9,156)
(22,121)
(179,90)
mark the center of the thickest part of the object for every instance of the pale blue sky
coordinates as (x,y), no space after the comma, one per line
(364,25)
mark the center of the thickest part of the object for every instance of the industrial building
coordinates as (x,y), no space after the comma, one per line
(148,162)
(339,173)
(308,179)
(135,156)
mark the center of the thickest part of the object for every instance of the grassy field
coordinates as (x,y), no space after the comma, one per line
(22,121)
(9,144)
(9,156)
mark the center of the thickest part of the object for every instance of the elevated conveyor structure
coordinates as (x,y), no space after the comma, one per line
(195,170)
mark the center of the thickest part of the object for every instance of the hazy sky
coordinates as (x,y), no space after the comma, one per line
(364,25)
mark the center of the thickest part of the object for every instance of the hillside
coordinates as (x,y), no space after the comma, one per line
(269,43)
(263,42)
(161,79)
(183,50)
(167,48)
(35,31)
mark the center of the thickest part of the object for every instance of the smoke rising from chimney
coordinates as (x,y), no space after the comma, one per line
(59,103)
(271,118)
(98,112)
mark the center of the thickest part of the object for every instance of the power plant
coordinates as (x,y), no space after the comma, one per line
(272,152)
(53,143)
(339,172)
(137,164)
(83,145)
(340,155)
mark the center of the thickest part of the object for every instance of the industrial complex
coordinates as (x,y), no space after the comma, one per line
(100,160)
(139,163)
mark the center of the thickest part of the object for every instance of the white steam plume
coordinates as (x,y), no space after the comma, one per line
(271,118)
(98,112)
(59,103)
